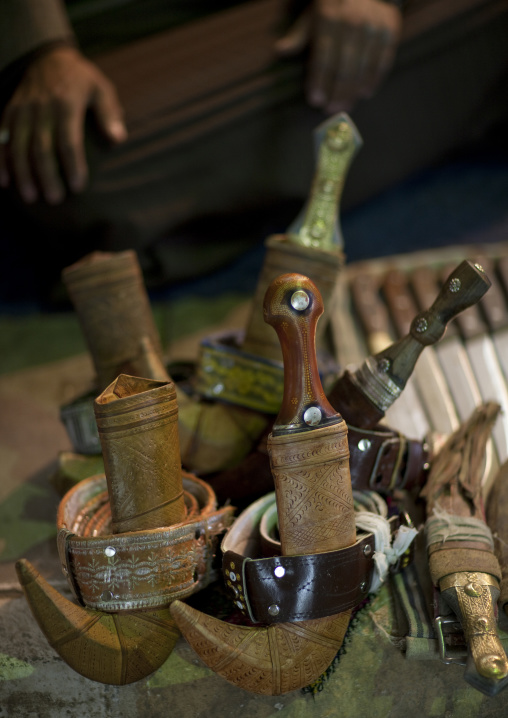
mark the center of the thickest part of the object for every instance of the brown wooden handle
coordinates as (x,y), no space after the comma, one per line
(292,306)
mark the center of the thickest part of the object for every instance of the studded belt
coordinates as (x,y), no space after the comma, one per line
(137,569)
(280,588)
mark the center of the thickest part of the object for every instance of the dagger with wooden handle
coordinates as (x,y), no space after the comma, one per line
(363,396)
(428,378)
(310,462)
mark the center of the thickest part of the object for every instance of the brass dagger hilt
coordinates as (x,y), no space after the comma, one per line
(472,596)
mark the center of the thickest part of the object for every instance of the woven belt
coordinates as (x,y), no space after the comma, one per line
(137,569)
(292,588)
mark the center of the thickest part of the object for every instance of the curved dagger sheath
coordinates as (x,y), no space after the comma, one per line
(310,461)
(146,491)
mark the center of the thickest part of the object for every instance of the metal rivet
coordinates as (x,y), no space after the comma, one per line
(107,596)
(384,365)
(473,589)
(300,300)
(318,229)
(312,416)
(455,284)
(279,571)
(363,586)
(239,604)
(479,268)
(232,575)
(364,444)
(421,325)
(367,550)
(337,137)
(482,624)
(218,388)
(110,551)
(273,610)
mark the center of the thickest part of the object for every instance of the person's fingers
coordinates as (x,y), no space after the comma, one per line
(19,152)
(379,57)
(109,111)
(321,71)
(44,156)
(71,145)
(296,39)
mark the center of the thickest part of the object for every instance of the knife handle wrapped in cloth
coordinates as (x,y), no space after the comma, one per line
(461,550)
(363,396)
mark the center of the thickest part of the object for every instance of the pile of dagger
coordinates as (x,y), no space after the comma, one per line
(319,447)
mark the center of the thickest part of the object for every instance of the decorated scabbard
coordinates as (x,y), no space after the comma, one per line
(310,462)
(363,396)
(460,548)
(129,542)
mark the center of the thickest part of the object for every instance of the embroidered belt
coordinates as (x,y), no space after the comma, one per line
(137,569)
(292,588)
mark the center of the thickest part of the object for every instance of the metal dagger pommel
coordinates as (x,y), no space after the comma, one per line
(292,307)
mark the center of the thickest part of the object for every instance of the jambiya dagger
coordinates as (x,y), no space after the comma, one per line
(310,462)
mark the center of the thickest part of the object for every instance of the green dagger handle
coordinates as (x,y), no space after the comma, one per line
(337,142)
(464,287)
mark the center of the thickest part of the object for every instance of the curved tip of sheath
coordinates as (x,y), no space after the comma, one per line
(111,648)
(269,660)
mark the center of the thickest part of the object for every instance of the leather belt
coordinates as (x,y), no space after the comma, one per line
(293,588)
(137,569)
(383,460)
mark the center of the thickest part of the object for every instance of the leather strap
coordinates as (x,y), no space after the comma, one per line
(294,588)
(137,569)
(383,460)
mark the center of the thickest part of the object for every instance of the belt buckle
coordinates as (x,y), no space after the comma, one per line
(439,622)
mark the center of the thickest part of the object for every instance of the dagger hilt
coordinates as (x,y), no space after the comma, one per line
(292,307)
(381,378)
(308,447)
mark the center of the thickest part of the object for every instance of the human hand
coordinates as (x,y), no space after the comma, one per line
(352,47)
(42,128)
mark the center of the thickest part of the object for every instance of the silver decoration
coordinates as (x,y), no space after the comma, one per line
(273,610)
(109,551)
(421,325)
(364,444)
(312,416)
(279,571)
(455,284)
(300,300)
